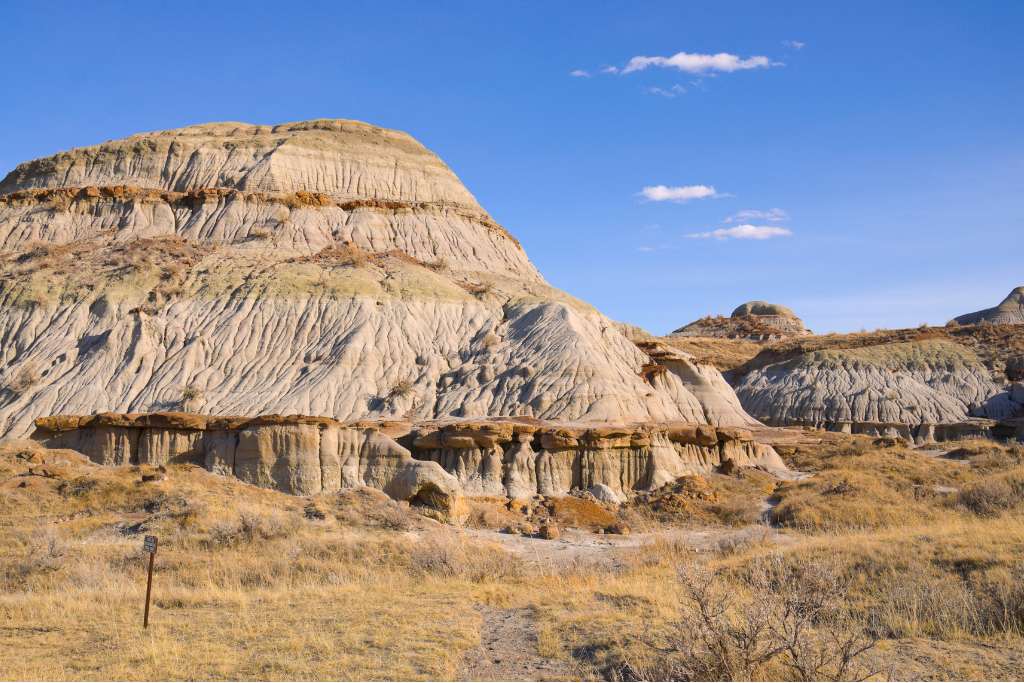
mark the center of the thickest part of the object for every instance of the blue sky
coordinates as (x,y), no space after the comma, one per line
(887,135)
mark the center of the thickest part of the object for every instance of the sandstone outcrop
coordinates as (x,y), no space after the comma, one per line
(1009,312)
(754,320)
(431,464)
(323,267)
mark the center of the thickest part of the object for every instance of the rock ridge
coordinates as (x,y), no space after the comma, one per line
(441,461)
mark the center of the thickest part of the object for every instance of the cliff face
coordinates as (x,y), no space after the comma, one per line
(433,464)
(325,267)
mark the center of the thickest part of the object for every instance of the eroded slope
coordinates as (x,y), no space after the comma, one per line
(326,267)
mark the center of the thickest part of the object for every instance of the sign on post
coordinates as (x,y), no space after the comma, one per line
(149,545)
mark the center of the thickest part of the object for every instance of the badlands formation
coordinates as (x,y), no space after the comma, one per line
(754,320)
(1009,312)
(330,268)
(923,384)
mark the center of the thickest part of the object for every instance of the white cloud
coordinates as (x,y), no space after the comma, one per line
(610,70)
(795,44)
(771,215)
(579,73)
(682,193)
(674,91)
(698,63)
(743,232)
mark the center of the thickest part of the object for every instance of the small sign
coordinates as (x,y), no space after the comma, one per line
(149,545)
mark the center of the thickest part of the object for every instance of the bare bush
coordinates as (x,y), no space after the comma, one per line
(45,554)
(191,393)
(439,265)
(443,557)
(401,388)
(251,526)
(477,288)
(792,621)
(993,494)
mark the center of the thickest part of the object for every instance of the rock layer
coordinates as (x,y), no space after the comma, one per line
(324,267)
(432,463)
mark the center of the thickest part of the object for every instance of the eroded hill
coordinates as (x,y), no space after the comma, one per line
(321,268)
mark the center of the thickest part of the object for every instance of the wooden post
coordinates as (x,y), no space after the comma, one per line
(150,546)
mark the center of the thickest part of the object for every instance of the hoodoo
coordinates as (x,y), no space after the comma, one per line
(327,268)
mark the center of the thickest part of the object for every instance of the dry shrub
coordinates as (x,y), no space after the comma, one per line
(445,557)
(791,621)
(401,388)
(365,506)
(994,493)
(256,233)
(251,525)
(736,512)
(191,393)
(991,458)
(439,265)
(46,553)
(476,288)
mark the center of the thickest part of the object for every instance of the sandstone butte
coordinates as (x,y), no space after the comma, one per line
(754,320)
(155,286)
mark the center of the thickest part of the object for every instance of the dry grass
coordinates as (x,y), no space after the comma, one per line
(860,485)
(724,354)
(249,583)
(255,584)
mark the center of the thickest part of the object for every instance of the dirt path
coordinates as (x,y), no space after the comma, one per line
(940,454)
(577,546)
(508,651)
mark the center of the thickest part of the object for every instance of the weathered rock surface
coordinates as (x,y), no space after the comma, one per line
(754,320)
(323,267)
(1009,312)
(923,390)
(432,464)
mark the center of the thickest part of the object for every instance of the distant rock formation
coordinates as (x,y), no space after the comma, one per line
(323,267)
(754,320)
(1009,312)
(921,390)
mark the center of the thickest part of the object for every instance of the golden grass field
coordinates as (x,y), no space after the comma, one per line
(927,553)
